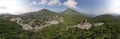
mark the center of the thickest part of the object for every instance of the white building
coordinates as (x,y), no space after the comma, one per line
(17,20)
(53,22)
(84,25)
(98,24)
(26,27)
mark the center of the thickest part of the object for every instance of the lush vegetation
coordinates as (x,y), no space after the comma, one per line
(71,17)
(110,30)
(10,30)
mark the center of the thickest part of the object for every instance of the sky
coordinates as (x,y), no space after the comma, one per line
(95,7)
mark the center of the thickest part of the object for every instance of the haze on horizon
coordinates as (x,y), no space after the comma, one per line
(95,7)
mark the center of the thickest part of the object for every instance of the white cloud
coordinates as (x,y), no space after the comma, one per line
(46,2)
(43,2)
(15,7)
(114,6)
(23,9)
(2,7)
(34,3)
(54,2)
(71,4)
(18,10)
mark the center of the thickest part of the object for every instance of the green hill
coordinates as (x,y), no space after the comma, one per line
(118,17)
(107,18)
(72,17)
(40,14)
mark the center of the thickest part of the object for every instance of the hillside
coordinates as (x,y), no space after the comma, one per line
(11,30)
(107,18)
(42,13)
(72,17)
(40,17)
(46,24)
(118,17)
(110,30)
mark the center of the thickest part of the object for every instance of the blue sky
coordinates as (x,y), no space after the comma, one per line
(96,7)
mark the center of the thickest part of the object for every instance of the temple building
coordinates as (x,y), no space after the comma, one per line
(84,25)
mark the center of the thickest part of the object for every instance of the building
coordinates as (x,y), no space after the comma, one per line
(84,25)
(17,20)
(56,20)
(99,24)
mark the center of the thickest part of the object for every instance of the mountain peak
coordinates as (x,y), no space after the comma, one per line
(44,10)
(70,9)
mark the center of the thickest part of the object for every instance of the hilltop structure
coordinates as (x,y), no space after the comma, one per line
(99,24)
(84,25)
(17,20)
(56,20)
